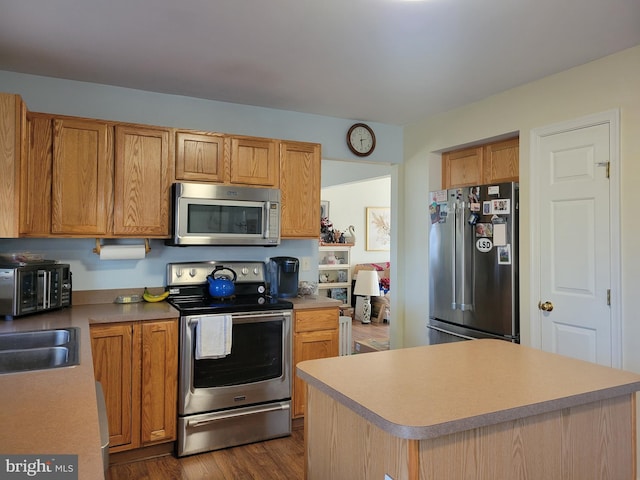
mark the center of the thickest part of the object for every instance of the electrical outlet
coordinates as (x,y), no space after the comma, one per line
(305,264)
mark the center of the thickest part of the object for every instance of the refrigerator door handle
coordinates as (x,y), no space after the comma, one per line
(464,304)
(454,290)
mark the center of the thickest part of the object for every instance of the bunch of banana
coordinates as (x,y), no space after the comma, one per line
(149,297)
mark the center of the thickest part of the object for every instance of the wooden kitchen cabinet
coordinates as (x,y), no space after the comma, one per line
(316,335)
(37,177)
(201,157)
(495,162)
(300,167)
(82,177)
(501,161)
(12,132)
(142,181)
(137,365)
(95,178)
(254,162)
(462,168)
(116,348)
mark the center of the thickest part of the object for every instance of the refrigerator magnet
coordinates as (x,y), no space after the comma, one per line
(494,190)
(484,230)
(501,206)
(500,234)
(504,255)
(486,208)
(484,245)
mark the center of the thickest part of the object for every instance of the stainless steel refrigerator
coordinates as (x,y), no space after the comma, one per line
(473,264)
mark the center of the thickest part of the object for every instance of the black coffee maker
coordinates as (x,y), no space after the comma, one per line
(283,276)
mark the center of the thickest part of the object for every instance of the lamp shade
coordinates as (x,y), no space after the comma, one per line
(367,284)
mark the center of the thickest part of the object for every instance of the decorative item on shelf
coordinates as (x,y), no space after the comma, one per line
(367,286)
(307,288)
(351,238)
(326,230)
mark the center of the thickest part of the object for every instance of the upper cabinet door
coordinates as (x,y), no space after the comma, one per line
(12,130)
(142,181)
(36,177)
(462,168)
(501,162)
(300,165)
(254,161)
(200,156)
(82,177)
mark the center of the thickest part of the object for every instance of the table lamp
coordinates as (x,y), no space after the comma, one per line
(367,286)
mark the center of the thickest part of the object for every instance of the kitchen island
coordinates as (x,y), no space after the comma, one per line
(482,409)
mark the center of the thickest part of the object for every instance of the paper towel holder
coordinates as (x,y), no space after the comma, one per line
(147,247)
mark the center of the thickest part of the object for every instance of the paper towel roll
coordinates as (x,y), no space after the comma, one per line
(122,252)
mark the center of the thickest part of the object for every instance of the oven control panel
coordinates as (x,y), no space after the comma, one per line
(196,273)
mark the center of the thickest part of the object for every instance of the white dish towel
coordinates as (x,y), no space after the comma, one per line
(213,336)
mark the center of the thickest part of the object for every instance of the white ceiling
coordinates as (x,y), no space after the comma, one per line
(387,61)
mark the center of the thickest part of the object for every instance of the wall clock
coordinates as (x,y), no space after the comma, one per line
(361,139)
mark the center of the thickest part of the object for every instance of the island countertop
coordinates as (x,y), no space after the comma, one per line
(426,392)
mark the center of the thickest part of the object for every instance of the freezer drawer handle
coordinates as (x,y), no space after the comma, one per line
(243,413)
(449,332)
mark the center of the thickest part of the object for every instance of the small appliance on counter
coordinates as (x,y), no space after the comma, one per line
(29,284)
(283,276)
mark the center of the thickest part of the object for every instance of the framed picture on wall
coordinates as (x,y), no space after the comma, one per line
(378,228)
(324,209)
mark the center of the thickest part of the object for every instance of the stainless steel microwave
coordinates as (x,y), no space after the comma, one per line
(34,287)
(207,214)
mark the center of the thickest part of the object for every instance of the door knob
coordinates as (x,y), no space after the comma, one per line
(546,306)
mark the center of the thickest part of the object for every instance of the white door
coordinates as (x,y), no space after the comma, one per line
(575,243)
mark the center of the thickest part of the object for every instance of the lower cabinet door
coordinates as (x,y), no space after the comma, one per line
(115,349)
(159,381)
(310,346)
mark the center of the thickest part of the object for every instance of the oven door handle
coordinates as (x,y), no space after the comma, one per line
(265,316)
(216,417)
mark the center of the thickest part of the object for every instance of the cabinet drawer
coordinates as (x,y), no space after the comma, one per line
(316,319)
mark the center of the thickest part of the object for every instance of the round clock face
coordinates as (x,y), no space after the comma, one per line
(361,139)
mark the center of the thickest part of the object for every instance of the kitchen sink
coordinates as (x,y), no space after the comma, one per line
(38,350)
(36,339)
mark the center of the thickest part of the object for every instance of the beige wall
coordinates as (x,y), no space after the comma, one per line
(609,83)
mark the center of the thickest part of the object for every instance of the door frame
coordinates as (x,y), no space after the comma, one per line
(612,118)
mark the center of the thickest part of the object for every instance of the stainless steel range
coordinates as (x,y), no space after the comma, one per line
(242,394)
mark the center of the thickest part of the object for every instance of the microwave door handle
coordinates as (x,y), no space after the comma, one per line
(43,289)
(47,289)
(265,220)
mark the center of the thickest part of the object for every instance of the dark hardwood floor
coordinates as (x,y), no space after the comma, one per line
(365,331)
(278,459)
